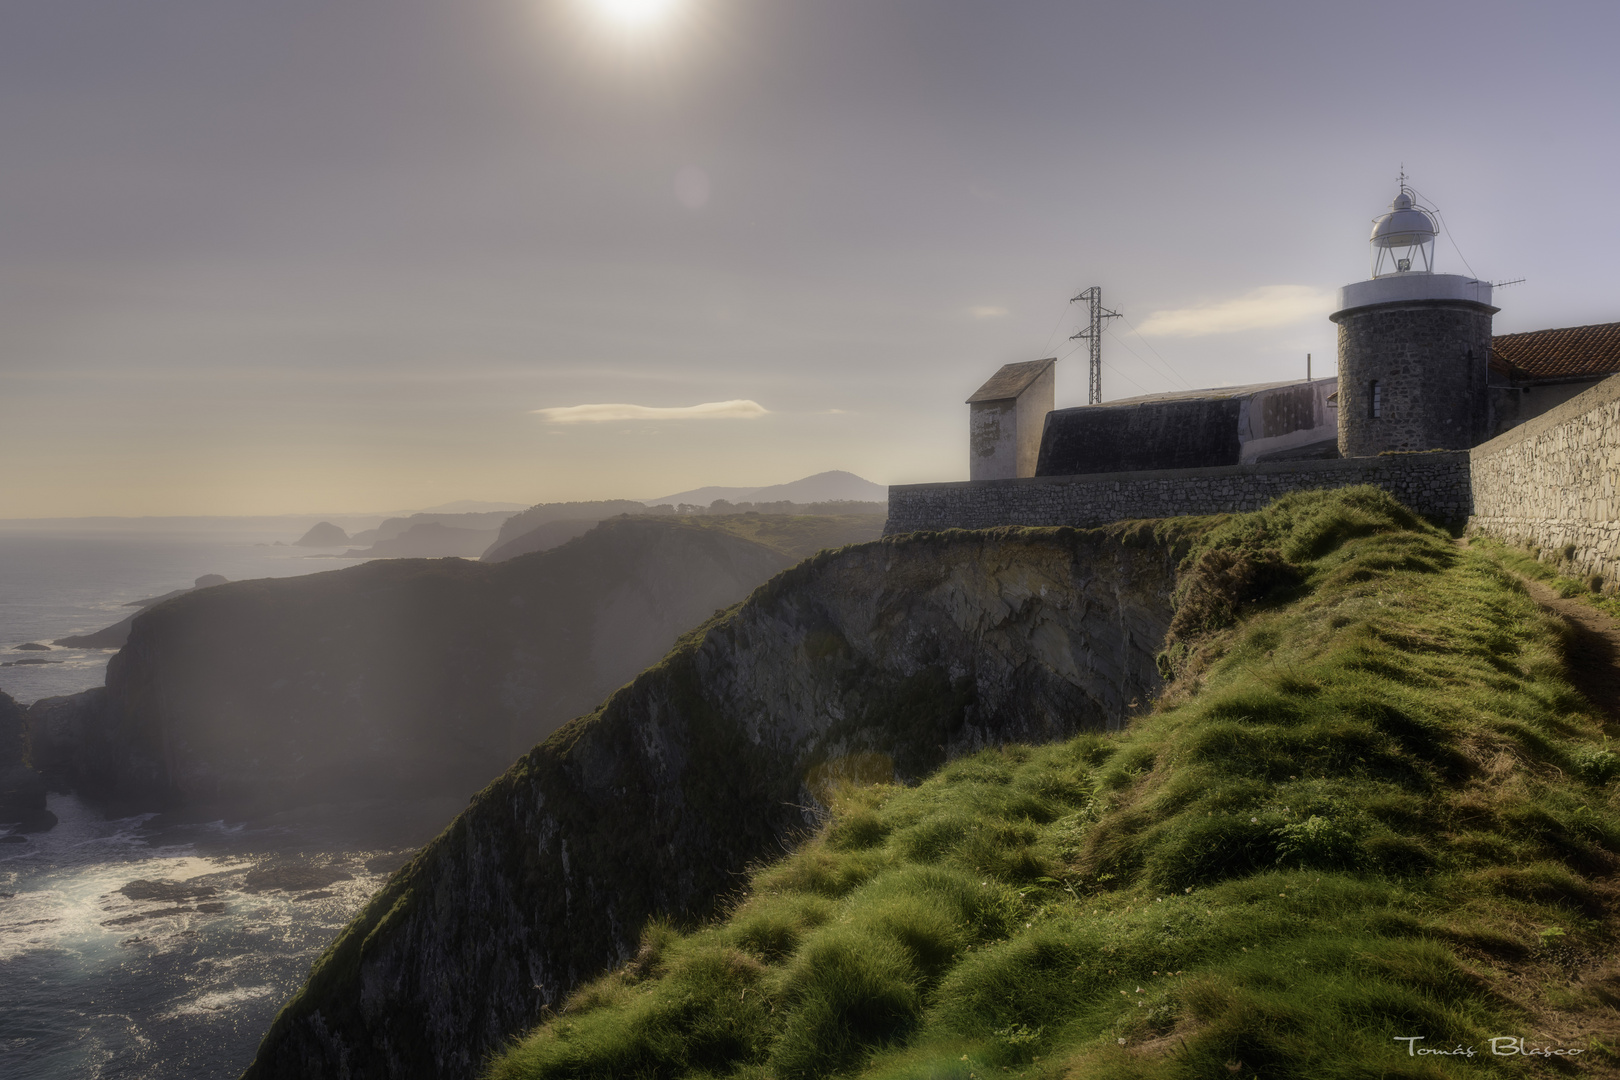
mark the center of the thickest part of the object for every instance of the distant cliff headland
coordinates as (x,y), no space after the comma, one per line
(406,676)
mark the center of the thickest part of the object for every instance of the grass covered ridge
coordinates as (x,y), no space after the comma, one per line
(1374,809)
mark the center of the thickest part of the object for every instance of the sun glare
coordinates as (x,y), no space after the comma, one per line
(633,15)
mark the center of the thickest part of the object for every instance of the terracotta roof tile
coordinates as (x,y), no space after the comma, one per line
(1568,353)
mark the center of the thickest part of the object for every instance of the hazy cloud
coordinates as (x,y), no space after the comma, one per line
(988,312)
(739,409)
(1257,309)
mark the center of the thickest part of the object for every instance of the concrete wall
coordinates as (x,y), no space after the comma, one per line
(1287,419)
(993,439)
(1434,484)
(1004,436)
(1553,483)
(1177,434)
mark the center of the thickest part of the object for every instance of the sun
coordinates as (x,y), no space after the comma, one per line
(633,15)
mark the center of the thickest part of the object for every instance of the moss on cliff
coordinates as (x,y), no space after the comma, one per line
(1371,819)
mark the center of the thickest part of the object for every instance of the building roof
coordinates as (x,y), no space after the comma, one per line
(1215,393)
(1011,380)
(1572,352)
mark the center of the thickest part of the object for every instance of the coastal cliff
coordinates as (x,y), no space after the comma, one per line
(880,661)
(408,677)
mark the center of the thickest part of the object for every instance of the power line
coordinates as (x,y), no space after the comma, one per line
(1126,377)
(1156,352)
(1122,344)
(1452,239)
(1062,314)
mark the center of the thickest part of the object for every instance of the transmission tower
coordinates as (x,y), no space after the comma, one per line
(1093,333)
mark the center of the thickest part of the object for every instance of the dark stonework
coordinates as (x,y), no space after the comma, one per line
(1149,435)
(1430,358)
(1435,485)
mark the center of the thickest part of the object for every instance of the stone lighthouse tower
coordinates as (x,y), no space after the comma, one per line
(1414,345)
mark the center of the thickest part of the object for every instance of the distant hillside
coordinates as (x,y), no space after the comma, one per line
(395,527)
(474,506)
(517,525)
(543,537)
(836,486)
(823,487)
(429,540)
(408,677)
(797,536)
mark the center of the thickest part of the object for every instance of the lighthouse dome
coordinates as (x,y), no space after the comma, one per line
(1404,226)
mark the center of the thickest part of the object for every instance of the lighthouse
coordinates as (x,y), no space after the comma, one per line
(1414,345)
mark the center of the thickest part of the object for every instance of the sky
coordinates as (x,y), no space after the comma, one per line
(262,258)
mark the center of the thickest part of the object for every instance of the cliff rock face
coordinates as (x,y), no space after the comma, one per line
(22,790)
(404,677)
(890,656)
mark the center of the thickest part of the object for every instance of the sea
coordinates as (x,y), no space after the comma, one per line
(154,946)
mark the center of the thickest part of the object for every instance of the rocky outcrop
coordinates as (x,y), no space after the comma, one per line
(323,534)
(408,677)
(890,658)
(22,790)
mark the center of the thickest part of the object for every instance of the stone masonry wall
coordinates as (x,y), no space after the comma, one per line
(1429,359)
(1434,484)
(1552,483)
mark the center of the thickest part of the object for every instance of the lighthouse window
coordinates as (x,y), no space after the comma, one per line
(1375,400)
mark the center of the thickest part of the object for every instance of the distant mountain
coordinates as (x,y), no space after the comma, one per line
(834,486)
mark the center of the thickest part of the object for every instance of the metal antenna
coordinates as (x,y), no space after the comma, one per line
(1093,333)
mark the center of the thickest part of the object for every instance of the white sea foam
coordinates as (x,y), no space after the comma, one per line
(213,1001)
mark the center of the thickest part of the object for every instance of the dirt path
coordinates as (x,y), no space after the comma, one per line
(1594,653)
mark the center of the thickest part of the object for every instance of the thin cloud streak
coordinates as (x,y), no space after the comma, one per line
(739,409)
(1258,309)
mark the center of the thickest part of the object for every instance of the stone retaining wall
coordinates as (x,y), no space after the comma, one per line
(1552,483)
(1434,484)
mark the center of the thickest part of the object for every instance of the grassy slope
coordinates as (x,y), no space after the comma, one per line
(1375,810)
(1549,567)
